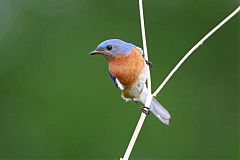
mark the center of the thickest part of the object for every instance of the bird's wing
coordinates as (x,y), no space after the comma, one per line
(116,81)
(142,53)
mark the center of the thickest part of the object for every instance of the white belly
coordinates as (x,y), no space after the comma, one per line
(138,86)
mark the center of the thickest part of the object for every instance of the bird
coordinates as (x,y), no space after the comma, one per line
(128,69)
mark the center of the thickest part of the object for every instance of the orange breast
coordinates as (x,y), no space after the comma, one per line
(127,68)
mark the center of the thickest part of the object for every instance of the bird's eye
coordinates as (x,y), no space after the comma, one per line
(109,47)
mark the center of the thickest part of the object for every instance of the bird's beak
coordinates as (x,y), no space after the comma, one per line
(95,52)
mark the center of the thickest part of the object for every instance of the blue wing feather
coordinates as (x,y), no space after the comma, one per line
(113,78)
(116,81)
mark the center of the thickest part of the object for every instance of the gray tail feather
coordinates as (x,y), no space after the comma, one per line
(159,111)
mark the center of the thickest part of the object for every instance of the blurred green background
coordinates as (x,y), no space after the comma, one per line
(57,102)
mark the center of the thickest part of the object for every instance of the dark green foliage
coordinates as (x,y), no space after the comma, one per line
(57,102)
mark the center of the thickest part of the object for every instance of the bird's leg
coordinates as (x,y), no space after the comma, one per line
(149,63)
(143,108)
(137,103)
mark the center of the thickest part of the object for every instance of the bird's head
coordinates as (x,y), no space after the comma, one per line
(112,47)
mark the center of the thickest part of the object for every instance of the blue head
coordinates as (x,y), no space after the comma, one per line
(113,47)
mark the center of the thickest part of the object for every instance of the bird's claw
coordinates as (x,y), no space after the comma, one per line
(145,110)
(149,63)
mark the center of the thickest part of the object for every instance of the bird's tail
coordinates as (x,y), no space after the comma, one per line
(156,108)
(159,111)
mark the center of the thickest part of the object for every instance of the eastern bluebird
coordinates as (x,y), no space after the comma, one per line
(128,69)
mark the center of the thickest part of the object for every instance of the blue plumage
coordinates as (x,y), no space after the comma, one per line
(118,46)
(116,81)
(113,78)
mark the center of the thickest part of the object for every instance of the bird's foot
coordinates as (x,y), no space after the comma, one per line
(145,110)
(149,63)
